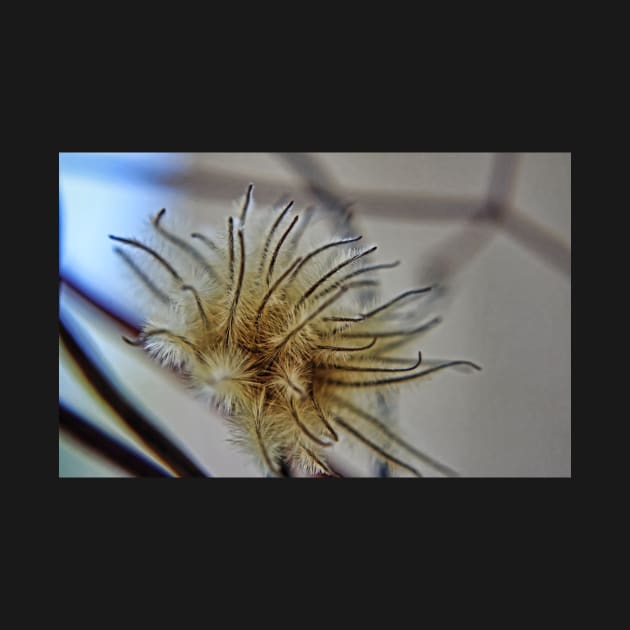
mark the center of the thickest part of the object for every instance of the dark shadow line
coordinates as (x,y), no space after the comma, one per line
(219,186)
(133,419)
(460,248)
(320,183)
(107,447)
(538,239)
(503,178)
(129,326)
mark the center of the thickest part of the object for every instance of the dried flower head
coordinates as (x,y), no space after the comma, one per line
(271,324)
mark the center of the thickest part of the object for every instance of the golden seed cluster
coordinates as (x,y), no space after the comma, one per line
(272,327)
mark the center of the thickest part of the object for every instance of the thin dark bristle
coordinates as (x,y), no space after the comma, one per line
(204,239)
(374,447)
(308,215)
(312,316)
(270,292)
(344,319)
(398,379)
(304,428)
(378,357)
(164,331)
(239,286)
(392,436)
(353,368)
(350,349)
(270,236)
(324,248)
(182,244)
(162,297)
(358,284)
(333,271)
(263,448)
(231,250)
(322,417)
(202,313)
(248,198)
(393,333)
(131,342)
(277,249)
(319,462)
(398,298)
(363,270)
(134,243)
(298,390)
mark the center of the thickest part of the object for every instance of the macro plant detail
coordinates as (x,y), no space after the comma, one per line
(272,319)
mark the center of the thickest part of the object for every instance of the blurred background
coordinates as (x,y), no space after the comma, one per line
(494,230)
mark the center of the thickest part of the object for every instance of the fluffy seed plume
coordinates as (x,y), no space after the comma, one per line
(265,319)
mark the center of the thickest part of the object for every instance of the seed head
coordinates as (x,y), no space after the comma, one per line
(271,326)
